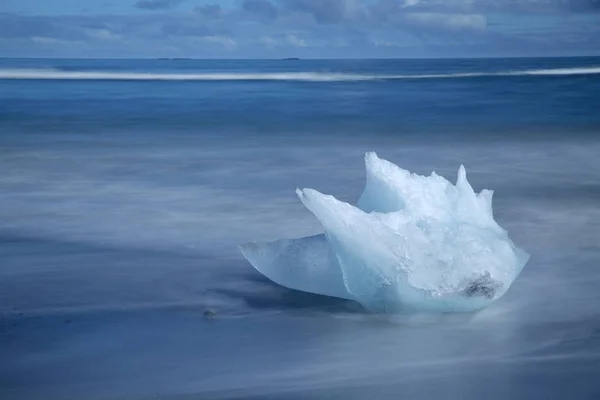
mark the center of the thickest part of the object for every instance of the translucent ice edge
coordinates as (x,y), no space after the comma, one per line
(412,243)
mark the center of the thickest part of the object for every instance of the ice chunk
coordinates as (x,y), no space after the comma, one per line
(306,264)
(413,243)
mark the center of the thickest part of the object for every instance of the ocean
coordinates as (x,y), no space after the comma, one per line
(126,185)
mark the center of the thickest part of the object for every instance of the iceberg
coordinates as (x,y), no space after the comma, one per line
(412,243)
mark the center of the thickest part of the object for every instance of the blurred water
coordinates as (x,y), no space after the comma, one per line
(485,104)
(121,204)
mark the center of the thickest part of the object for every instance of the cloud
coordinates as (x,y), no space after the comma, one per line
(261,8)
(508,6)
(47,40)
(314,28)
(383,43)
(185,29)
(209,10)
(17,26)
(268,42)
(102,34)
(441,21)
(223,41)
(295,41)
(284,41)
(327,11)
(157,4)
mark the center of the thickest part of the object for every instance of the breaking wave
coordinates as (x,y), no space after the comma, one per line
(56,74)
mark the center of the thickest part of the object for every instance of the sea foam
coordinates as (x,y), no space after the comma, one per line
(58,74)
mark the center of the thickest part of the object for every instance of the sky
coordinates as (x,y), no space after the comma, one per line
(298,28)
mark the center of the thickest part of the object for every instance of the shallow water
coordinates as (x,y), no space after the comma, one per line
(122,204)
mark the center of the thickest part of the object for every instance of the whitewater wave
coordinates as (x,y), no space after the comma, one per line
(56,74)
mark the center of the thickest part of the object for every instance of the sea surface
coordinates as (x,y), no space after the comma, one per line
(125,186)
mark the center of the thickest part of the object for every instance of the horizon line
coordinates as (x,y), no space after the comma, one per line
(164,58)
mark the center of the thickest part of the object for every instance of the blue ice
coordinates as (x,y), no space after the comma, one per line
(412,243)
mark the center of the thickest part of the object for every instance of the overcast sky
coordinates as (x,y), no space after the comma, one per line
(298,28)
